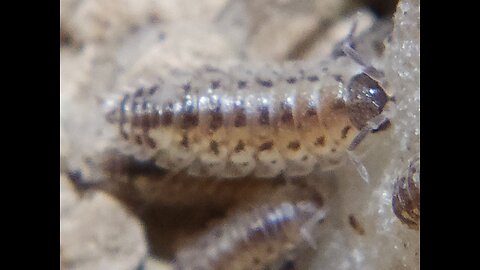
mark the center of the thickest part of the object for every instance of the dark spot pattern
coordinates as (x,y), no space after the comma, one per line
(214,147)
(153,90)
(241,84)
(320,141)
(286,114)
(345,131)
(291,80)
(266,146)
(138,140)
(167,115)
(240,116)
(295,145)
(216,118)
(264,116)
(215,84)
(240,146)
(265,83)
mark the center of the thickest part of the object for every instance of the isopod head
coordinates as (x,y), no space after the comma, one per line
(366,100)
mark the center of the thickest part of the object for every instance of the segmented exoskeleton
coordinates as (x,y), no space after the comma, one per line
(253,239)
(288,119)
(233,125)
(406,195)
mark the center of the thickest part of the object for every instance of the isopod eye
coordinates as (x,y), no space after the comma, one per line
(366,99)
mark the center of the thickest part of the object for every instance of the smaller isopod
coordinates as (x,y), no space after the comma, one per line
(278,120)
(406,195)
(253,239)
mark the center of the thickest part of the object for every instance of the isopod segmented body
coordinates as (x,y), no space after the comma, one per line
(241,123)
(253,239)
(406,195)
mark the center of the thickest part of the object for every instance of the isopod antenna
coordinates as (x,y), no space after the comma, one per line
(346,48)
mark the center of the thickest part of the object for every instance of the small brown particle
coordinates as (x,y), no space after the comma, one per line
(356,225)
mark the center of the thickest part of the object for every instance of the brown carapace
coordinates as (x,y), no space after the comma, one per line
(406,195)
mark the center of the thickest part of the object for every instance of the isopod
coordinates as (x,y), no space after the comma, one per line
(253,239)
(406,195)
(233,124)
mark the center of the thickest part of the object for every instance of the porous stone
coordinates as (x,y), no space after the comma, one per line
(98,233)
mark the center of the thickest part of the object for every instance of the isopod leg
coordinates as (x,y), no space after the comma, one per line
(361,169)
(375,124)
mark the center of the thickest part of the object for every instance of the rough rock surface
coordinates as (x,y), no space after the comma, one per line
(110,46)
(96,232)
